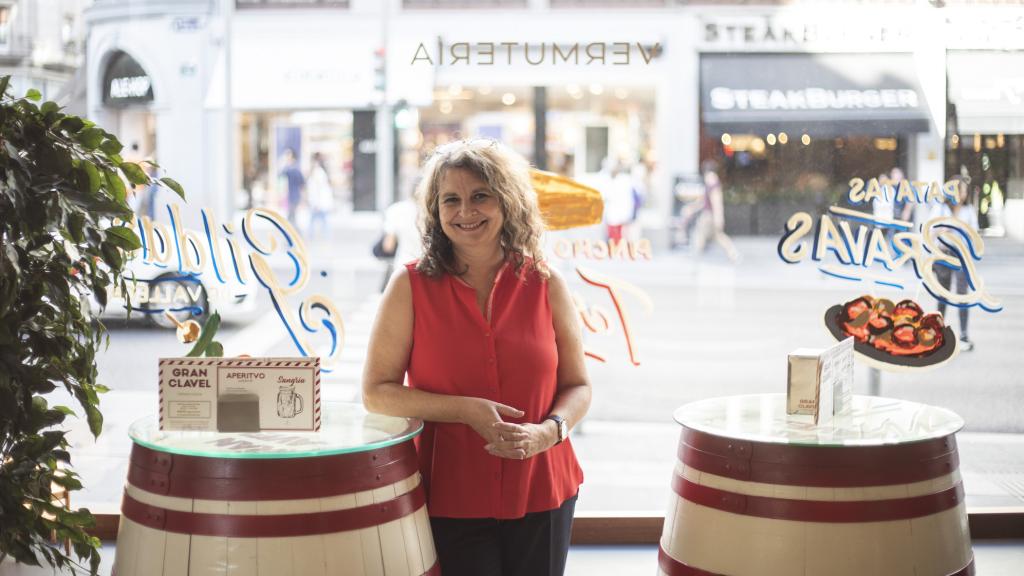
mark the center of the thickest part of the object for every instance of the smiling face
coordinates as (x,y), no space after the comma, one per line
(469,211)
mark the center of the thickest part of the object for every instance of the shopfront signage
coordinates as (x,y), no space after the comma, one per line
(622,295)
(790,32)
(240,255)
(240,394)
(129,87)
(622,53)
(856,246)
(126,81)
(811,98)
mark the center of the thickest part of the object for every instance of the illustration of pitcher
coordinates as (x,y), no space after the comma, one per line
(289,404)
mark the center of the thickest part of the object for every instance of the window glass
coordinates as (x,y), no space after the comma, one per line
(708,129)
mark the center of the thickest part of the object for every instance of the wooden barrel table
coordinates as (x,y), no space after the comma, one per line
(346,500)
(877,491)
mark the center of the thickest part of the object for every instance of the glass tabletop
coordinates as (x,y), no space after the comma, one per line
(345,428)
(872,421)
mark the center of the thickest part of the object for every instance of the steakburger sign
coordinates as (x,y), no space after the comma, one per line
(856,246)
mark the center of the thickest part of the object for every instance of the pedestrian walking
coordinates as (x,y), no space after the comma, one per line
(321,195)
(963,209)
(295,183)
(711,218)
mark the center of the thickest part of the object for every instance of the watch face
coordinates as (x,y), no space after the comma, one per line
(563,430)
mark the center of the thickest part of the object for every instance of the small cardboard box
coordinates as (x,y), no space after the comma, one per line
(804,376)
(820,381)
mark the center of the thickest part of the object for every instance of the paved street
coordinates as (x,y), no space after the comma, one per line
(715,329)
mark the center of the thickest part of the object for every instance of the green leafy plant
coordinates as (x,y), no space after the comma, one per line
(63,240)
(205,345)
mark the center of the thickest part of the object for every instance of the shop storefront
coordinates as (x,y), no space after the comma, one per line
(292,97)
(791,130)
(128,93)
(986,134)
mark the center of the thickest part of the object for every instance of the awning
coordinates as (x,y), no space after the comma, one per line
(821,95)
(987,91)
(125,82)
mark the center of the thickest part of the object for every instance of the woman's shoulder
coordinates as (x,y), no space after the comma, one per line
(555,280)
(400,281)
(412,274)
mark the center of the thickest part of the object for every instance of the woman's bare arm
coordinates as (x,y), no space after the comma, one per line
(387,359)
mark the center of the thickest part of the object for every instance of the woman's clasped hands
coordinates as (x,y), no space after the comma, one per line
(508,439)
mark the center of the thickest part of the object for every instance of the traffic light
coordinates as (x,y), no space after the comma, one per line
(380,73)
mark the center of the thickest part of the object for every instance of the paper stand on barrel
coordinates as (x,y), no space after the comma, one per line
(820,381)
(240,394)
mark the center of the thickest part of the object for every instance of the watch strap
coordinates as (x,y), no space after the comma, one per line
(561,427)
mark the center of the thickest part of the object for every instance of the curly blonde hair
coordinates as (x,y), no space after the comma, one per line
(507,175)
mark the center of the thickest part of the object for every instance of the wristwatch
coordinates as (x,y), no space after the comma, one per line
(563,427)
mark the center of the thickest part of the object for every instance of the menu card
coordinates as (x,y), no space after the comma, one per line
(240,394)
(820,381)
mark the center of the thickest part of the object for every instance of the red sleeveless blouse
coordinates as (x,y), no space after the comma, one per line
(512,360)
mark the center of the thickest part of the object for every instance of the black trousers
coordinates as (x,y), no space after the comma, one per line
(534,545)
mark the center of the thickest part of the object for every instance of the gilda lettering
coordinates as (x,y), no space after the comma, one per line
(246,259)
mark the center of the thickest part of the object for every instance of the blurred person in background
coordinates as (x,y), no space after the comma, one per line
(883,207)
(295,183)
(964,211)
(711,218)
(321,195)
(620,201)
(402,238)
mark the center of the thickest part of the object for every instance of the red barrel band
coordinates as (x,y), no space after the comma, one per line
(274,525)
(818,510)
(807,455)
(249,479)
(844,476)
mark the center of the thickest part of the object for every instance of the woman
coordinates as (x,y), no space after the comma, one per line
(488,337)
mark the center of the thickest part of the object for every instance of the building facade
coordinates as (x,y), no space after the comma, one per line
(41,45)
(791,100)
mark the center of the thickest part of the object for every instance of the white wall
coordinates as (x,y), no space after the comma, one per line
(182,143)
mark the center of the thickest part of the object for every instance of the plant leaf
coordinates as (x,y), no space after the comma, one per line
(95,419)
(173,185)
(90,137)
(206,336)
(95,180)
(214,350)
(111,146)
(124,238)
(33,95)
(134,173)
(116,185)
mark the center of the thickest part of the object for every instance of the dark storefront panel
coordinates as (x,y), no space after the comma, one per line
(822,95)
(364,152)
